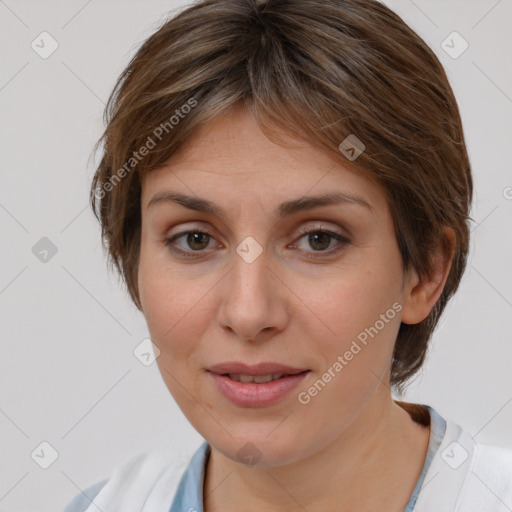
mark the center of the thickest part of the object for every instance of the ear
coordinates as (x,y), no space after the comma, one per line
(421,296)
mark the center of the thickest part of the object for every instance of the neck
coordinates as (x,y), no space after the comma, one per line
(373,465)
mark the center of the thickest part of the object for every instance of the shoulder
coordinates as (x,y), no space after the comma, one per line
(154,474)
(467,476)
(488,469)
(493,458)
(126,473)
(82,500)
(489,480)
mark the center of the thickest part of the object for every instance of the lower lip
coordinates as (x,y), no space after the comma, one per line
(251,394)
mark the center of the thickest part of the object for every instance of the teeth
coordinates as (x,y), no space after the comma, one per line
(258,379)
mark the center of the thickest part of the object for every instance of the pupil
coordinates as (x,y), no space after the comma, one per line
(325,236)
(195,238)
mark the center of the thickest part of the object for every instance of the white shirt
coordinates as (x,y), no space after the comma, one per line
(459,475)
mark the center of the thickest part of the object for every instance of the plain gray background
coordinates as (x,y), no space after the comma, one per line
(68,375)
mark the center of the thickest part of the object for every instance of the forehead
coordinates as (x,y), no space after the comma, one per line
(231,157)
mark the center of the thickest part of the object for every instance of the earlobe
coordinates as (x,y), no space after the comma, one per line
(421,295)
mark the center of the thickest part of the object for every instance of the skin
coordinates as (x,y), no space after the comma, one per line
(351,447)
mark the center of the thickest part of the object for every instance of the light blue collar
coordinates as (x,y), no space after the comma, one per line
(189,495)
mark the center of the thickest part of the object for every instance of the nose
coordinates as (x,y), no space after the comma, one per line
(253,300)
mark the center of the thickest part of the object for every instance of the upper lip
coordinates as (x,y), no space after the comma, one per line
(265,368)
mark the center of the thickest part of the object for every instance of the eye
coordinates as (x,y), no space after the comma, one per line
(320,239)
(195,239)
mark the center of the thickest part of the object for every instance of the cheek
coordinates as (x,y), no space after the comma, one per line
(353,299)
(171,308)
(363,316)
(360,310)
(172,312)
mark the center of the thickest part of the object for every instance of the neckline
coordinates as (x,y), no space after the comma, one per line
(437,432)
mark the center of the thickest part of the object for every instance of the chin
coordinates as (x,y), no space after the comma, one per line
(258,449)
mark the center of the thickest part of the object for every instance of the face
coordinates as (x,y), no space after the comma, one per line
(318,289)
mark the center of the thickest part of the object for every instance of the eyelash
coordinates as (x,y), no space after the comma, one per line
(169,242)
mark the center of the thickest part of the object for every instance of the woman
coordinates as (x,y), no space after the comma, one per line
(285,190)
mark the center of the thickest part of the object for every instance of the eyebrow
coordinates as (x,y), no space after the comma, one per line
(283,210)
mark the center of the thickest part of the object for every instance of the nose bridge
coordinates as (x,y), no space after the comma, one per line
(251,302)
(250,269)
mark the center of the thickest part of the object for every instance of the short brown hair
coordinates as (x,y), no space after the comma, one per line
(319,70)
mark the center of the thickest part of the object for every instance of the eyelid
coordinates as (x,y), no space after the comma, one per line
(185,228)
(303,231)
(304,228)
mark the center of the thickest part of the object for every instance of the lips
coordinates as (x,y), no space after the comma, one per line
(260,369)
(256,385)
(258,379)
(251,393)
